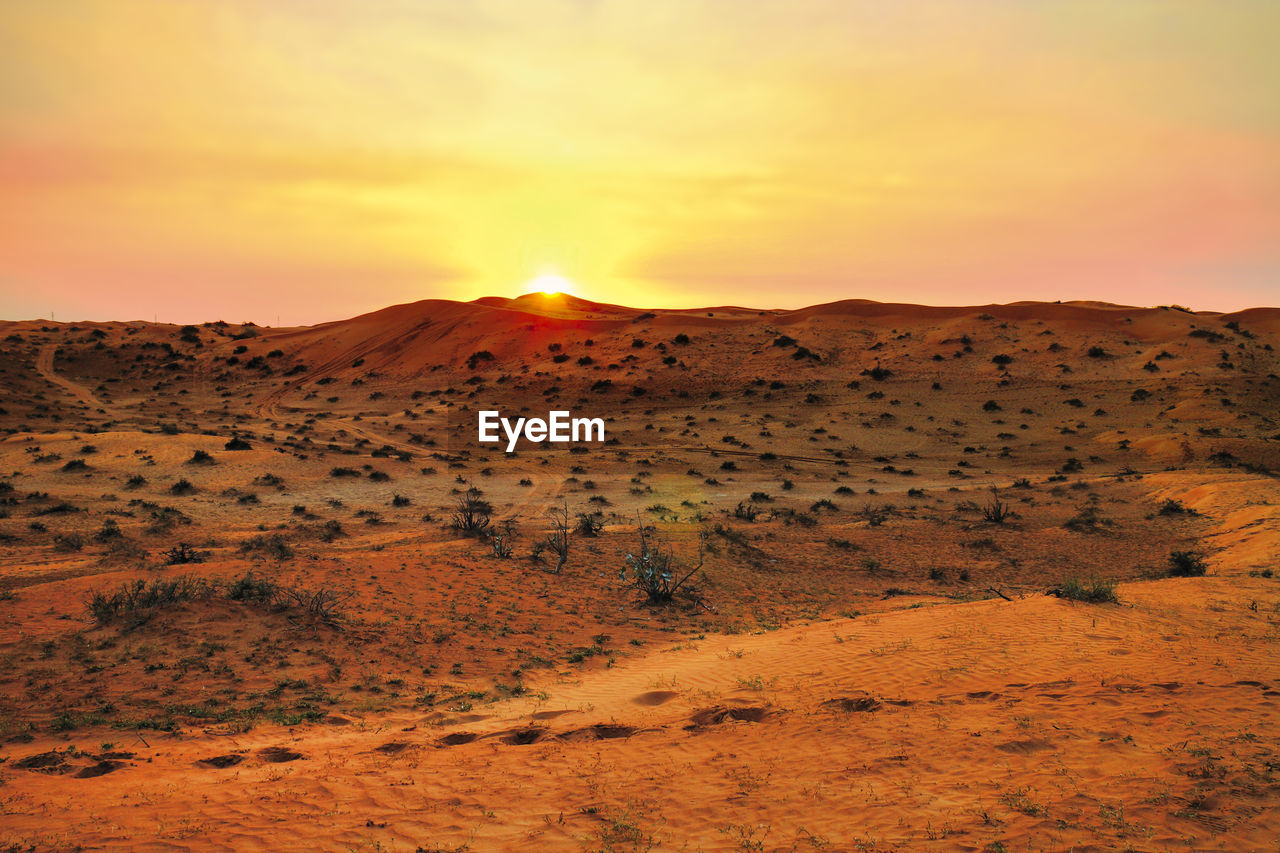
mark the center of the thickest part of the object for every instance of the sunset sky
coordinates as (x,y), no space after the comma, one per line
(314,159)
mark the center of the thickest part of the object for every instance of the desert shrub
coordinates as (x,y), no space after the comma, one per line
(251,587)
(135,482)
(501,538)
(1097,352)
(200,457)
(182,487)
(557,541)
(68,542)
(165,518)
(589,524)
(1174,507)
(400,500)
(472,514)
(110,530)
(316,605)
(746,511)
(1088,519)
(1095,590)
(343,472)
(271,545)
(655,572)
(76,465)
(60,508)
(1186,564)
(183,553)
(874,515)
(996,511)
(237,443)
(331,530)
(137,600)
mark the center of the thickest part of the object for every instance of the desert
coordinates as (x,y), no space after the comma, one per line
(640,426)
(859,576)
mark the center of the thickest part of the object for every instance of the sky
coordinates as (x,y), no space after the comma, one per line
(299,161)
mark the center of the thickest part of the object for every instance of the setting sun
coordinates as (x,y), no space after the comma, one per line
(550,284)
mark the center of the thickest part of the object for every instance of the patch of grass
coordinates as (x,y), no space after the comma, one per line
(271,545)
(1095,590)
(137,600)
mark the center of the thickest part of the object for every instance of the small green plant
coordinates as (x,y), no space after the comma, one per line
(655,572)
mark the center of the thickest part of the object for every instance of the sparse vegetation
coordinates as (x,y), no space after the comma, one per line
(472,515)
(656,572)
(1187,564)
(1094,590)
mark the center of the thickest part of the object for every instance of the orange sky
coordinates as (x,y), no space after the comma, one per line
(313,159)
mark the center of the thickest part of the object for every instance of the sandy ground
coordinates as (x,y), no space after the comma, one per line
(867,664)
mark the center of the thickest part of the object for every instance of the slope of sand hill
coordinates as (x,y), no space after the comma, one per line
(882,495)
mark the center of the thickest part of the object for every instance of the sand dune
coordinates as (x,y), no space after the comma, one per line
(869,661)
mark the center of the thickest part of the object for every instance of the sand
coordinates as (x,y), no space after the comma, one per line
(882,671)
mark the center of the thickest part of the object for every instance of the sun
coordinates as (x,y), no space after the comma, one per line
(551,284)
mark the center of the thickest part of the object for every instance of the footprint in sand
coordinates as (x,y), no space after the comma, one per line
(102,768)
(720,714)
(221,761)
(458,738)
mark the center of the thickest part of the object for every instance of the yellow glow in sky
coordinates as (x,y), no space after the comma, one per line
(241,159)
(550,284)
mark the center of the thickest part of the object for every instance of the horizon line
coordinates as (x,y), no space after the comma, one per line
(485,300)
